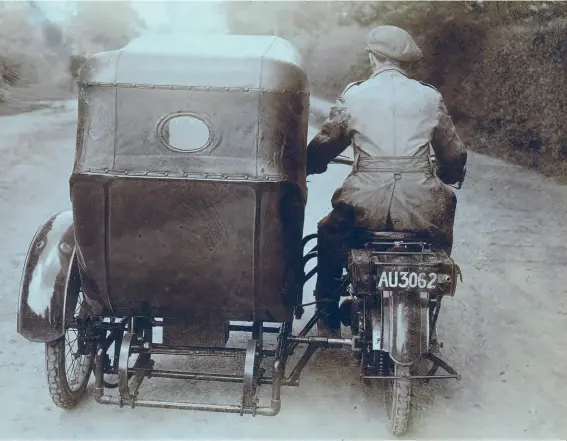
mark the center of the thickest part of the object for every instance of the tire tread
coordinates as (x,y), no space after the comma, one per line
(401,407)
(61,394)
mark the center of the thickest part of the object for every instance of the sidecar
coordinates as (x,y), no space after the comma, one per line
(188,193)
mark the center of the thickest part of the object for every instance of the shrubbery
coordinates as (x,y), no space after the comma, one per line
(517,96)
(40,60)
(502,74)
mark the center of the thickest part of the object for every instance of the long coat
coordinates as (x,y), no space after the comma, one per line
(391,122)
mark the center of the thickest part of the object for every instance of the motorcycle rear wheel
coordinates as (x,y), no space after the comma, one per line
(397,399)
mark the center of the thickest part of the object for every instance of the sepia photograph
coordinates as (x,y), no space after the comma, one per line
(292,220)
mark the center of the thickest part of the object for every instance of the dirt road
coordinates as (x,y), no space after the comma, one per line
(505,331)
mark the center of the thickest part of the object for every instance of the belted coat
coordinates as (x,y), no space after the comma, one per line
(392,122)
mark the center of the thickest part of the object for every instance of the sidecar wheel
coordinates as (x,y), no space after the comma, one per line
(398,400)
(68,374)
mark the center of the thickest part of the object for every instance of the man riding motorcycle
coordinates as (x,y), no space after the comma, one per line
(391,121)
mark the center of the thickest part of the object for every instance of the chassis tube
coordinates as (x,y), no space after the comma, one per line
(263,411)
(201,376)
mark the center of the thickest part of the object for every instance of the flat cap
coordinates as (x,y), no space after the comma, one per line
(394,43)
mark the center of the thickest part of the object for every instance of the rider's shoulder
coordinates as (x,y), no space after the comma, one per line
(423,83)
(351,85)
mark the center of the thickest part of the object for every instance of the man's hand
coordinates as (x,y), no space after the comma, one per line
(315,164)
(449,178)
(312,171)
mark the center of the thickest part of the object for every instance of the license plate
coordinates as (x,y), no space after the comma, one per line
(412,280)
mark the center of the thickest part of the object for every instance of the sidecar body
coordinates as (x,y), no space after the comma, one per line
(188,188)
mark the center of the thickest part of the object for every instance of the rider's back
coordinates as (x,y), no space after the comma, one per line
(392,115)
(391,121)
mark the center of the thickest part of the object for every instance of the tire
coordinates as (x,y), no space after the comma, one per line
(66,392)
(398,400)
(62,393)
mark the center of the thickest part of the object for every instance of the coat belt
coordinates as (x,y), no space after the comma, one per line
(394,164)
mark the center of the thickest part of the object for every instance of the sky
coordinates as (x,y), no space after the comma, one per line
(177,16)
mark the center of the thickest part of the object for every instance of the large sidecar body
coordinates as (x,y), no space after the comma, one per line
(188,188)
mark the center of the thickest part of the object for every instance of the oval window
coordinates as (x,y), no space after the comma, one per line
(185,133)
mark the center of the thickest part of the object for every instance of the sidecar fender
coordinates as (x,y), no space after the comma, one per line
(404,326)
(47,275)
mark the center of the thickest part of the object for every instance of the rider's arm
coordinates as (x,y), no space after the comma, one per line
(449,150)
(331,141)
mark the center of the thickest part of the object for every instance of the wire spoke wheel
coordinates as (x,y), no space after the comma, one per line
(397,397)
(68,366)
(77,365)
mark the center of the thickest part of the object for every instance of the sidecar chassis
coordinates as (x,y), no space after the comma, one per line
(130,377)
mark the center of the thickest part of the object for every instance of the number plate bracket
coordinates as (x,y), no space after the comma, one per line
(373,271)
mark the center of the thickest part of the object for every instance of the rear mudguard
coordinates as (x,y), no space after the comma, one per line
(49,272)
(401,327)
